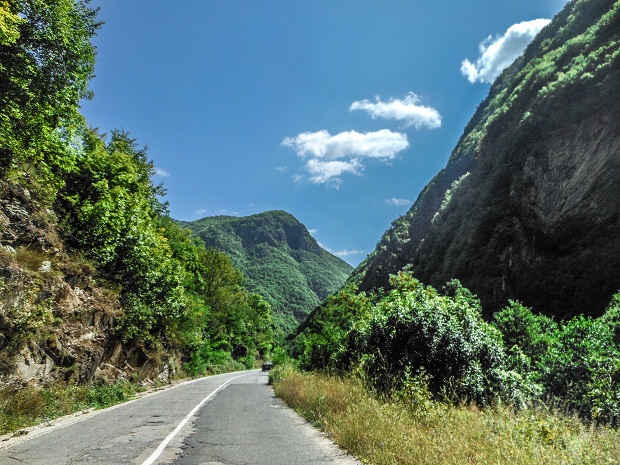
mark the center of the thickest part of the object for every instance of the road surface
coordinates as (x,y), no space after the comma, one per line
(230,419)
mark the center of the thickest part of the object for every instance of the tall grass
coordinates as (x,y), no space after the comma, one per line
(412,429)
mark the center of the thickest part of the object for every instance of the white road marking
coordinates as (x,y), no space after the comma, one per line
(165,442)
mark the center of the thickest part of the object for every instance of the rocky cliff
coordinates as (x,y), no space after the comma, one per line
(57,321)
(528,206)
(279,259)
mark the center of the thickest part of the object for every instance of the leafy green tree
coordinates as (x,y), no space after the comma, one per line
(520,327)
(9,23)
(611,317)
(46,62)
(223,321)
(109,205)
(324,344)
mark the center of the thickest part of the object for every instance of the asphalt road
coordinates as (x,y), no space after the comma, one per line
(230,419)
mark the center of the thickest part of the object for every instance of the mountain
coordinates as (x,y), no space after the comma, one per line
(279,259)
(528,205)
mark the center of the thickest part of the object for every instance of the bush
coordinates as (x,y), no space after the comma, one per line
(414,330)
(582,370)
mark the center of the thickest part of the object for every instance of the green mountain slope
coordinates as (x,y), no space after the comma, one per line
(527,206)
(279,259)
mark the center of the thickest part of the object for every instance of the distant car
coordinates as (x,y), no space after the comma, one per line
(267,366)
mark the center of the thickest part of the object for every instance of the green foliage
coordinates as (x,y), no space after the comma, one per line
(9,23)
(413,339)
(519,327)
(323,342)
(222,321)
(279,260)
(611,317)
(414,330)
(582,368)
(30,405)
(576,363)
(106,395)
(109,206)
(176,295)
(46,61)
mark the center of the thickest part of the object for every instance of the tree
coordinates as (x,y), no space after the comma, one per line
(46,62)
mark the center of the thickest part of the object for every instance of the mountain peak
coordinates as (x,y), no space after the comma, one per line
(279,258)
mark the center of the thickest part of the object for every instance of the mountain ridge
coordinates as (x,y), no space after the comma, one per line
(279,259)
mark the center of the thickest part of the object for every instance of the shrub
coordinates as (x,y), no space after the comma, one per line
(582,369)
(414,330)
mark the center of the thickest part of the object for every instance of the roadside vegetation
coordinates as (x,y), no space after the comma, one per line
(81,213)
(409,427)
(415,334)
(416,375)
(23,407)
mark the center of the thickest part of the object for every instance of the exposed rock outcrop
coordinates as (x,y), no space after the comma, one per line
(527,207)
(56,321)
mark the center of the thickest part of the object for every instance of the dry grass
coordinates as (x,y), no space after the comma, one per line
(397,432)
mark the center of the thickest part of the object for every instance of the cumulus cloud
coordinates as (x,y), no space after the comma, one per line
(162,173)
(398,202)
(330,156)
(498,53)
(349,144)
(407,110)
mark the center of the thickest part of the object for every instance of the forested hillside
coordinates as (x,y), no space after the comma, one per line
(96,281)
(527,206)
(279,259)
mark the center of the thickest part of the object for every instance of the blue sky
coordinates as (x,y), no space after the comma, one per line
(338,112)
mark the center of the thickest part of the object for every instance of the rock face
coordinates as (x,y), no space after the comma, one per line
(279,259)
(56,322)
(528,206)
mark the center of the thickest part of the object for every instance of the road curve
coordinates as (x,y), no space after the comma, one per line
(232,418)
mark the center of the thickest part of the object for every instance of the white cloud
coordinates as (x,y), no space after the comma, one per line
(323,171)
(347,253)
(162,173)
(398,202)
(497,54)
(331,156)
(313,231)
(200,211)
(350,144)
(406,110)
(281,169)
